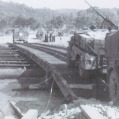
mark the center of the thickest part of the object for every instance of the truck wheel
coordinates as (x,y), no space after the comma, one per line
(71,64)
(113,86)
(83,73)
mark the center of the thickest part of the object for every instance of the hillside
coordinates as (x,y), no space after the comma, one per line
(14,14)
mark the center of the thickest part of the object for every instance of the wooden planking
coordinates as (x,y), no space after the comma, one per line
(14,65)
(82,86)
(16,109)
(61,82)
(13,62)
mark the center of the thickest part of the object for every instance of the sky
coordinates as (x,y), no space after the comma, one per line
(70,4)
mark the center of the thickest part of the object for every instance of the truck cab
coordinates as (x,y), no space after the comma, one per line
(84,52)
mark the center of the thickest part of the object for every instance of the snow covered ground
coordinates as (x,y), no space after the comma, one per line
(84,109)
(6,39)
(59,41)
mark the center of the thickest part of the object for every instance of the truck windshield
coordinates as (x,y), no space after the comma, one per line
(90,47)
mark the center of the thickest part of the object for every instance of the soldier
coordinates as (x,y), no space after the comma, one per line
(50,37)
(46,38)
(53,38)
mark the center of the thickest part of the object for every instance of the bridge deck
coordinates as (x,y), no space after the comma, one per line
(66,79)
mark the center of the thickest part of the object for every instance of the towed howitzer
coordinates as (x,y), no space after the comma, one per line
(109,23)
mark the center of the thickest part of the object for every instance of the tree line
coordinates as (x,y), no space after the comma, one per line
(17,15)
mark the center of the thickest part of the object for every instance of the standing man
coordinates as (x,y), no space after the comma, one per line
(46,37)
(50,37)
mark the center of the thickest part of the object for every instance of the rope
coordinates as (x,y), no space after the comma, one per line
(51,90)
(42,81)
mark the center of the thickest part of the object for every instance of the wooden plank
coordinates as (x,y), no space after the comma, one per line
(14,65)
(31,114)
(61,82)
(9,117)
(64,86)
(31,78)
(13,59)
(31,89)
(91,112)
(13,62)
(9,55)
(16,109)
(82,86)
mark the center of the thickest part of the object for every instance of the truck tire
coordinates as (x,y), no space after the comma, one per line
(71,64)
(83,73)
(113,86)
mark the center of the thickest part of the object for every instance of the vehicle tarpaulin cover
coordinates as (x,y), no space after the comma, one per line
(112,45)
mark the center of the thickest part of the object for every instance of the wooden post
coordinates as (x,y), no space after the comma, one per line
(16,109)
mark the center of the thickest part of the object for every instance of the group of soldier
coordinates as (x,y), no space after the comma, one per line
(49,37)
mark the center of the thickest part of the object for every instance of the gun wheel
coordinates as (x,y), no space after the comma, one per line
(113,86)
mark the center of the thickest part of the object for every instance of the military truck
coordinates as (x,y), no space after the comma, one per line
(86,53)
(96,56)
(20,35)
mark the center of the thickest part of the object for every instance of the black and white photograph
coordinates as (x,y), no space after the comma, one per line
(59,59)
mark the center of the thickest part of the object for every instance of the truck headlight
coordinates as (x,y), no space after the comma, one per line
(88,63)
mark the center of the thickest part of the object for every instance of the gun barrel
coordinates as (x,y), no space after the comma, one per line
(110,23)
(95,10)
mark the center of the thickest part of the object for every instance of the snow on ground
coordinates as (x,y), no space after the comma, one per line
(59,41)
(99,34)
(101,112)
(63,40)
(6,39)
(98,109)
(93,108)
